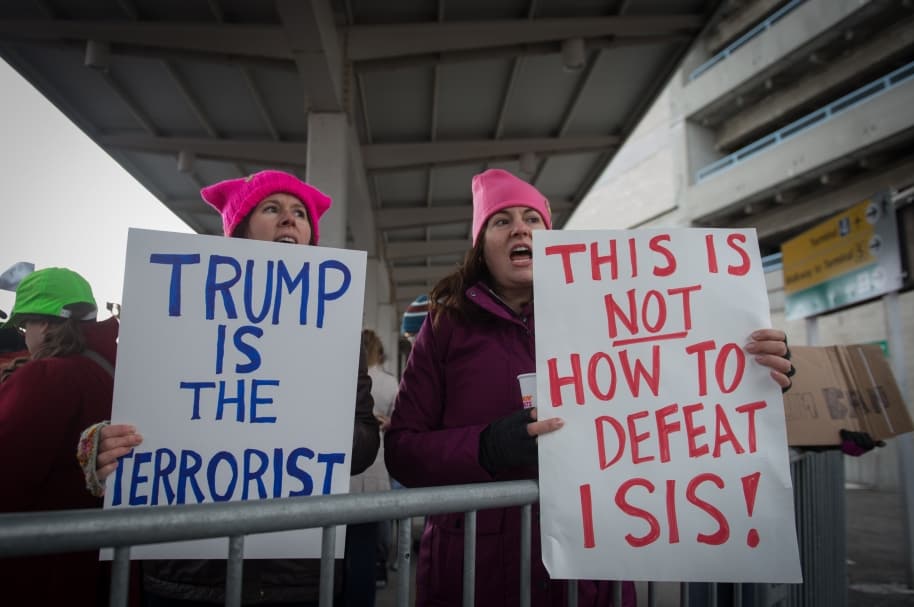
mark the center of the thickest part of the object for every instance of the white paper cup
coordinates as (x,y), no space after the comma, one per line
(527,383)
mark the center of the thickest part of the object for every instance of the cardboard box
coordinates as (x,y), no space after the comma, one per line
(838,387)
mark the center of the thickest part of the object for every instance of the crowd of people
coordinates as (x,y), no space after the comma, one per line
(456,415)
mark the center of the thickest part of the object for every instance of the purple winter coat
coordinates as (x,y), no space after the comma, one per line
(461,376)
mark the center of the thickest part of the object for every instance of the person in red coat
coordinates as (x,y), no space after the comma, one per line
(64,385)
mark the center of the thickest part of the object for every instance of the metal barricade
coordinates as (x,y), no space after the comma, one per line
(820,517)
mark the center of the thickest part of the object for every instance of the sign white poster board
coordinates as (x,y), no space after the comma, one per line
(673,463)
(237,362)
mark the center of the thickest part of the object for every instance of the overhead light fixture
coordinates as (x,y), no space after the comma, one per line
(528,163)
(574,54)
(186,161)
(98,55)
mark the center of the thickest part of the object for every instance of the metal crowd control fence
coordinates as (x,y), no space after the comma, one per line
(818,489)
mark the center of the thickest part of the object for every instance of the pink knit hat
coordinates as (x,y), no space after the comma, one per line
(495,189)
(235,198)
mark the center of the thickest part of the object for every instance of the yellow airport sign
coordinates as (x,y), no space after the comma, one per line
(846,259)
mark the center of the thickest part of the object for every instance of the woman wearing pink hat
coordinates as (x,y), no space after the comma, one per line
(274,206)
(458,417)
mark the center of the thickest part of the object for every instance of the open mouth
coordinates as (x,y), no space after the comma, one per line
(521,252)
(287,239)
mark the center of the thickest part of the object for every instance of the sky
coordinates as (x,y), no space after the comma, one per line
(63,200)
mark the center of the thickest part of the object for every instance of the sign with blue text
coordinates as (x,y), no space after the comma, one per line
(237,362)
(672,464)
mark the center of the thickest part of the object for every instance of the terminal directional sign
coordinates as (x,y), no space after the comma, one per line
(846,259)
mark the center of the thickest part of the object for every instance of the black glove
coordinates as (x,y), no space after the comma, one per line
(857,443)
(505,443)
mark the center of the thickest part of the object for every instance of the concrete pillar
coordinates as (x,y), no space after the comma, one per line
(328,170)
(380,315)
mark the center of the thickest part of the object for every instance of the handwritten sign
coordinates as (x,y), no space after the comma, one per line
(673,461)
(237,362)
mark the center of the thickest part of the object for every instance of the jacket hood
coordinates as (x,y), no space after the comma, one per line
(102,337)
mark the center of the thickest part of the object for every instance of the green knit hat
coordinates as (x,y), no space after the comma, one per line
(56,292)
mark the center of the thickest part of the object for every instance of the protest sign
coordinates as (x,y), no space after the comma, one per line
(237,362)
(672,463)
(848,387)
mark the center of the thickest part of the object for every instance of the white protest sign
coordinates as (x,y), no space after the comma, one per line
(237,362)
(673,462)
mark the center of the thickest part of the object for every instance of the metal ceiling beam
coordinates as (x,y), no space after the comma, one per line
(246,40)
(311,35)
(426,248)
(279,153)
(280,44)
(448,212)
(381,156)
(365,42)
(516,50)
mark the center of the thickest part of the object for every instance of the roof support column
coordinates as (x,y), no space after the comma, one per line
(379,315)
(328,170)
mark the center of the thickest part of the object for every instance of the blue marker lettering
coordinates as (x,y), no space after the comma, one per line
(174,289)
(322,295)
(223,287)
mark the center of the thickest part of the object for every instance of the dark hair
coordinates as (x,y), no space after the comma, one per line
(449,295)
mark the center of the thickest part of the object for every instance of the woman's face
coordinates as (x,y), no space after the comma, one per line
(279,218)
(34,333)
(508,248)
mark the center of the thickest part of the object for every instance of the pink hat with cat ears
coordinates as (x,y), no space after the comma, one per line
(496,189)
(236,198)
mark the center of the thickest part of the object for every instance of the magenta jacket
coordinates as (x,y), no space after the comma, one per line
(462,375)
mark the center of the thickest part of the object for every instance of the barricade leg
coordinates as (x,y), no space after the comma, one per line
(120,577)
(233,571)
(469,558)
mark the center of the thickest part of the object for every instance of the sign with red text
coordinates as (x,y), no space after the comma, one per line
(672,464)
(237,362)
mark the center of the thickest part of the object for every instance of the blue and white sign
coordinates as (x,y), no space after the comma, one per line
(237,363)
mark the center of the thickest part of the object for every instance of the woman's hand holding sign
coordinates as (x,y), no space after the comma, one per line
(117,440)
(770,349)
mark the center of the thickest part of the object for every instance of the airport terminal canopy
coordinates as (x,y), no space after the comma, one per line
(185,93)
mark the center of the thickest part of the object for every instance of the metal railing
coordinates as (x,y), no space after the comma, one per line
(754,32)
(817,482)
(822,115)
